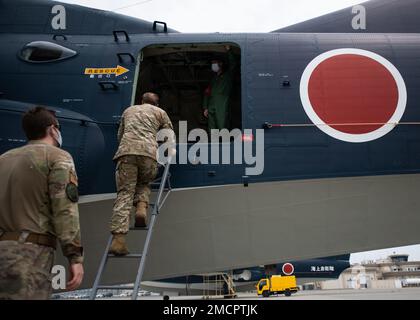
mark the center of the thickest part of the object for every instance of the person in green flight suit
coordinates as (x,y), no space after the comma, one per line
(217,94)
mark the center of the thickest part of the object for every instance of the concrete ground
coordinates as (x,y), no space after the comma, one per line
(363,294)
(347,294)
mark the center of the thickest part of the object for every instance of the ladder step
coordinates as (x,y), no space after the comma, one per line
(115,288)
(128,256)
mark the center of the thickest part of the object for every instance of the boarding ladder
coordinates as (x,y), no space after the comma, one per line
(231,292)
(164,188)
(218,284)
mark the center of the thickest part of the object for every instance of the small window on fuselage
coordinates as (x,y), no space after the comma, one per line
(43,51)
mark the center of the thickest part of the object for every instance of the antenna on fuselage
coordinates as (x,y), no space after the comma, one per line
(132,5)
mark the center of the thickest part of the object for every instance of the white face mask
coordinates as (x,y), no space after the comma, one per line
(215,67)
(58,139)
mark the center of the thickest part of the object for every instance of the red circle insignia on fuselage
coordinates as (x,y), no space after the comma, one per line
(353,95)
(288,269)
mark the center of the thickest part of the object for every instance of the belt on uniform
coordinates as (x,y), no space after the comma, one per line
(24,237)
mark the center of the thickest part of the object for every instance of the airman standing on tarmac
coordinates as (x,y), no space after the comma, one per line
(136,166)
(38,204)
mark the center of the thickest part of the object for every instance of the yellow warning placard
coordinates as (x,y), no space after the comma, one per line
(118,70)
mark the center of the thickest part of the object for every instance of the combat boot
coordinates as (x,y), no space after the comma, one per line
(118,245)
(141,215)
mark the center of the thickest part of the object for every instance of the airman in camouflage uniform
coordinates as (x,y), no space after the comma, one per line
(136,166)
(38,204)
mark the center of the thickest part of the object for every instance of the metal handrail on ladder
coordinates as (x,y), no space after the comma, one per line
(220,279)
(156,208)
(230,285)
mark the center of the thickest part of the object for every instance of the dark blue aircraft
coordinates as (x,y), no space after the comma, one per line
(245,279)
(337,172)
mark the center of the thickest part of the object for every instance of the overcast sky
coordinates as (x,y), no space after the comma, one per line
(236,16)
(222,15)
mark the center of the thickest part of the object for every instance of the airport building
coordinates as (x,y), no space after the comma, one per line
(394,272)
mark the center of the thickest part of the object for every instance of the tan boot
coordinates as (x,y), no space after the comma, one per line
(141,215)
(118,245)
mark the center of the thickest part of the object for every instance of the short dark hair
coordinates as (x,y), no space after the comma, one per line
(150,98)
(36,121)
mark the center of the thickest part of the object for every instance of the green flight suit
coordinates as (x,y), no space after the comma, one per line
(217,101)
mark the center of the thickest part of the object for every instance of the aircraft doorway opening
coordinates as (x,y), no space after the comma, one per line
(182,76)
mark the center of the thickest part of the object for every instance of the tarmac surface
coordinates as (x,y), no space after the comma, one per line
(346,294)
(343,294)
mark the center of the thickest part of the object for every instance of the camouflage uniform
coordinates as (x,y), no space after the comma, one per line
(136,160)
(25,271)
(39,196)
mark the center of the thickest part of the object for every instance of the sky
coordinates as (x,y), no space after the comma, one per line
(236,16)
(221,15)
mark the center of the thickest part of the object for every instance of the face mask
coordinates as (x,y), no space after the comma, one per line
(58,139)
(215,67)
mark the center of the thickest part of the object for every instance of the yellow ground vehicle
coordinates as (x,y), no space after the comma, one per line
(277,285)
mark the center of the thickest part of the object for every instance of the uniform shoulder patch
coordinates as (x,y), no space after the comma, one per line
(73,178)
(72,192)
